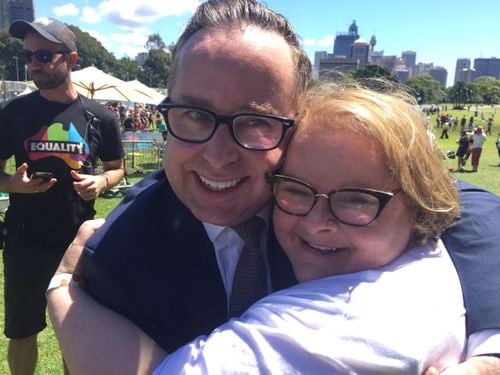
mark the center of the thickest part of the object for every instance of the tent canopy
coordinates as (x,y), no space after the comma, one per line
(156,97)
(95,84)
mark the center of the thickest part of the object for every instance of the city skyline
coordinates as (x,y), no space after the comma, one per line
(439,31)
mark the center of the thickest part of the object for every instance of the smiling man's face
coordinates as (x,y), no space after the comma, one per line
(229,71)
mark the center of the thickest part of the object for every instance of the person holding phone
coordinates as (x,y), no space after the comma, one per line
(56,137)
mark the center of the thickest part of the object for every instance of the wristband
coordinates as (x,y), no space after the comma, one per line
(107,180)
(63,279)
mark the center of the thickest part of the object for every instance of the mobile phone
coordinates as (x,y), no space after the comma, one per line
(45,176)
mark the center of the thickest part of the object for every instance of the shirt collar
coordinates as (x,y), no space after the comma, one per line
(213,231)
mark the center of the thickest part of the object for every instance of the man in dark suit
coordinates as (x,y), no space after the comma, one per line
(173,277)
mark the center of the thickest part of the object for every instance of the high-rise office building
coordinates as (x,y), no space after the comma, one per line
(409,58)
(318,56)
(4,13)
(459,67)
(360,49)
(424,68)
(389,62)
(467,75)
(11,10)
(141,58)
(376,57)
(332,68)
(402,73)
(487,67)
(440,74)
(342,45)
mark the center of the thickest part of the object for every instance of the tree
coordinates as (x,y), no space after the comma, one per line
(157,66)
(92,52)
(10,47)
(128,69)
(425,89)
(374,71)
(461,93)
(488,88)
(155,42)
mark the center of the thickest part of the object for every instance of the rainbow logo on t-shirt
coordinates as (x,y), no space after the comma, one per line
(54,140)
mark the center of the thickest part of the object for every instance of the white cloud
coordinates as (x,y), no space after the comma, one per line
(136,37)
(135,18)
(134,14)
(89,15)
(309,42)
(66,10)
(129,50)
(327,41)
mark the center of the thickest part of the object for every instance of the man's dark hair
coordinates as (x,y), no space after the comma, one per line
(216,13)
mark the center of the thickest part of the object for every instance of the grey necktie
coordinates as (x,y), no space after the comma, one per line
(249,283)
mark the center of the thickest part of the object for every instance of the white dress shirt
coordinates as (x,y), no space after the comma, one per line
(228,246)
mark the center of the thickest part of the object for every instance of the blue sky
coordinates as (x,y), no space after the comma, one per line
(440,31)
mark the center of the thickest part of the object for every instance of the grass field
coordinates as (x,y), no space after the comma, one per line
(488,177)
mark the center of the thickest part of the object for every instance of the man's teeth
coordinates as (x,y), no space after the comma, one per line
(218,185)
(324,250)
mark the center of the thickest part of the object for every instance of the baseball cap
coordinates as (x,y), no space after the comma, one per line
(49,28)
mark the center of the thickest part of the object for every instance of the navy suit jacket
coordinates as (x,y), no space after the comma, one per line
(153,262)
(474,246)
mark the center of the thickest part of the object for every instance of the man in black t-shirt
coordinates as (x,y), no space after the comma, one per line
(58,135)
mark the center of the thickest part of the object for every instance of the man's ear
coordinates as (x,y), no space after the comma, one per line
(72,58)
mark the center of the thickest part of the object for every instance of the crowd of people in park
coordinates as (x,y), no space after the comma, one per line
(138,117)
(472,135)
(292,229)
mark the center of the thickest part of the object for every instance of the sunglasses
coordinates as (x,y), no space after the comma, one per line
(42,55)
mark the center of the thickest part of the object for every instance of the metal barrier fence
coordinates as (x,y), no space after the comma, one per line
(142,155)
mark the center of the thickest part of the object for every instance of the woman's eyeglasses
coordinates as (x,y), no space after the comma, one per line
(42,55)
(356,207)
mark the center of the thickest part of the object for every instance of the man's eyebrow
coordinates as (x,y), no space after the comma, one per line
(190,100)
(266,108)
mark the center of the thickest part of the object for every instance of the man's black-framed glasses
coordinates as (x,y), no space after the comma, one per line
(42,55)
(356,207)
(253,131)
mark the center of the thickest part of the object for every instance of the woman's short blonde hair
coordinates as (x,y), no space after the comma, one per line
(393,120)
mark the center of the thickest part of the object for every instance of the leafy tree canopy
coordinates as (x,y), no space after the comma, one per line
(10,47)
(156,69)
(461,93)
(92,52)
(155,42)
(374,71)
(488,89)
(425,89)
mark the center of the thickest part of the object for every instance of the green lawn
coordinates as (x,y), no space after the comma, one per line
(49,358)
(488,177)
